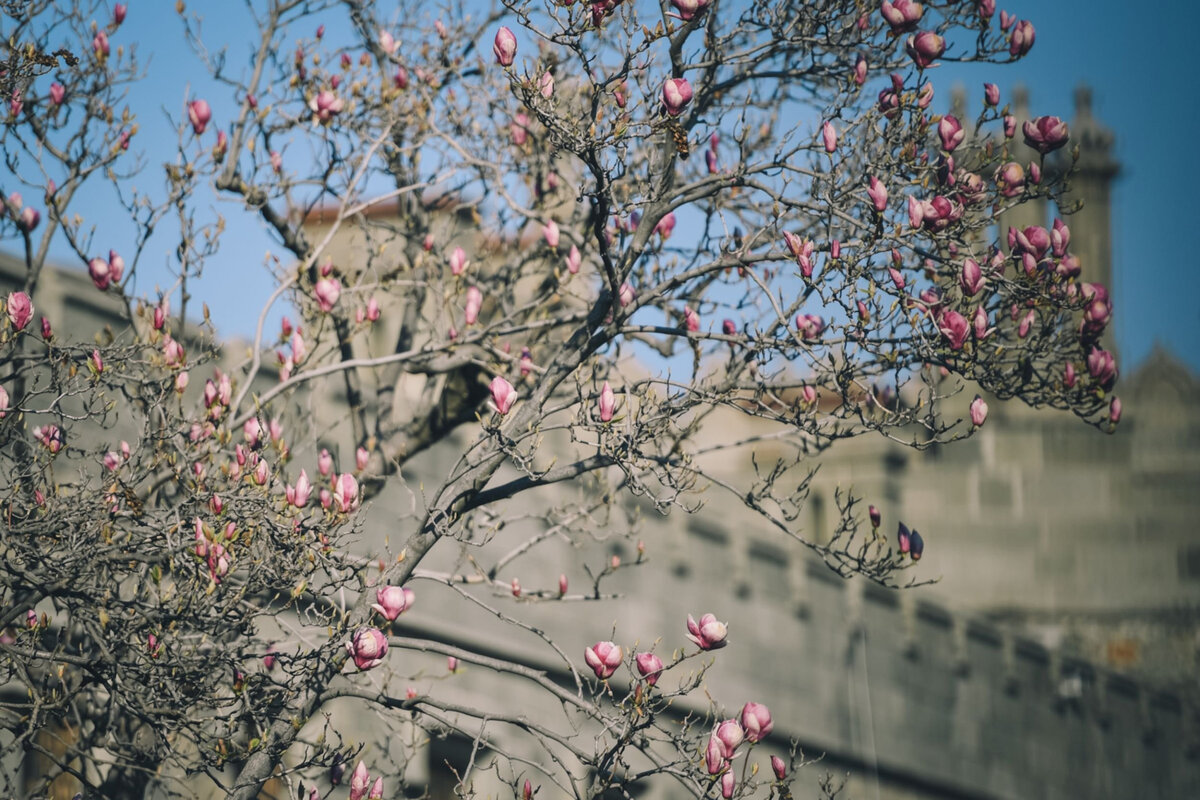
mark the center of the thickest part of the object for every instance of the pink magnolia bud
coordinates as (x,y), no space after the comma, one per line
(361,457)
(275,430)
(20,310)
(119,13)
(47,331)
(902,15)
(979,411)
(392,601)
(728,785)
(875,516)
(924,48)
(327,292)
(100,273)
(708,633)
(387,42)
(546,85)
(953,326)
(367,648)
(516,587)
(527,790)
(714,756)
(971,278)
(298,496)
(324,463)
(526,362)
(4,407)
(261,473)
(1026,324)
(991,94)
(829,136)
(1010,179)
(562,584)
(810,326)
(878,194)
(650,667)
(345,493)
(451,663)
(779,768)
(904,538)
(458,261)
(116,266)
(1102,367)
(951,132)
(325,105)
(1045,134)
(1020,41)
(710,161)
(986,9)
(97,363)
(100,46)
(57,93)
(860,70)
(980,324)
(756,721)
(626,295)
(603,658)
(607,403)
(1010,126)
(299,348)
(550,233)
(505,47)
(574,259)
(917,547)
(691,320)
(729,327)
(28,219)
(503,395)
(474,302)
(360,779)
(1114,410)
(252,431)
(676,94)
(199,114)
(276,161)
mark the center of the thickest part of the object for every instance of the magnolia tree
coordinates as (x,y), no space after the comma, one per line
(577,231)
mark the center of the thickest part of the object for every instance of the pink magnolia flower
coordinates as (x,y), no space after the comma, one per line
(971,278)
(979,411)
(728,785)
(650,667)
(100,45)
(902,15)
(666,226)
(691,320)
(474,302)
(954,327)
(1026,324)
(546,85)
(276,161)
(1102,367)
(688,8)
(515,587)
(574,259)
(345,493)
(360,779)
(1045,134)
(1010,179)
(392,601)
(505,46)
(20,310)
(325,106)
(367,648)
(503,395)
(980,324)
(550,233)
(951,132)
(1114,410)
(1060,238)
(860,69)
(262,473)
(810,326)
(362,457)
(939,213)
(116,266)
(1010,126)
(119,13)
(829,136)
(924,48)
(458,261)
(878,194)
(991,94)
(708,633)
(603,658)
(199,114)
(676,94)
(729,327)
(376,792)
(778,767)
(299,348)
(729,735)
(626,294)
(986,9)
(252,431)
(299,494)
(327,292)
(903,538)
(28,219)
(324,463)
(756,721)
(57,93)
(387,42)
(3,402)
(97,363)
(607,403)
(1020,41)
(100,272)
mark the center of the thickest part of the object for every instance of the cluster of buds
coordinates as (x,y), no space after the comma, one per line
(361,787)
(105,273)
(910,542)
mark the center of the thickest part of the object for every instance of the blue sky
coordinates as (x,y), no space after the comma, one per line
(1136,64)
